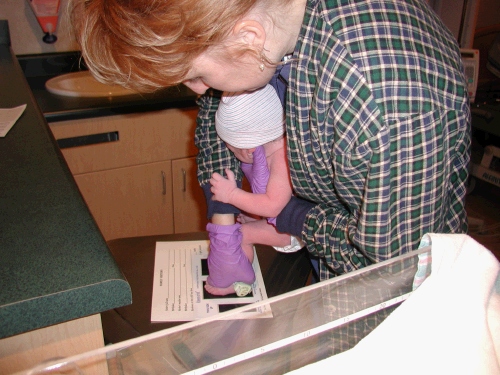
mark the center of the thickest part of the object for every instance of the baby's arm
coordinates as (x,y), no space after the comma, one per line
(270,204)
(260,232)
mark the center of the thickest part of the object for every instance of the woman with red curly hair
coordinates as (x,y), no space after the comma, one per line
(377,112)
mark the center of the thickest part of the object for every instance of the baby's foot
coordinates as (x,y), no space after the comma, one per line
(219,291)
(227,262)
(241,289)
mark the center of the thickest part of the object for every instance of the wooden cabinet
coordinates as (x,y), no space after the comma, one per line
(137,172)
(189,200)
(130,201)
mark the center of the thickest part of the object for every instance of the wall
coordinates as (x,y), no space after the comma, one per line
(487,28)
(26,34)
(489,13)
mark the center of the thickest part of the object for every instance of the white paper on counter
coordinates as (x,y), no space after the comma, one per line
(178,285)
(8,117)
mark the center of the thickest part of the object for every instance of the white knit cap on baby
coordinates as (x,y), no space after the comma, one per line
(250,119)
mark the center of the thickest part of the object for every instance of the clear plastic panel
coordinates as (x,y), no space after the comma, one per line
(307,325)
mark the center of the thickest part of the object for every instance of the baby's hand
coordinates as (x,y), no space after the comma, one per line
(223,188)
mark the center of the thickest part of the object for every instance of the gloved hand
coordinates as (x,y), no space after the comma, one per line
(257,173)
(227,263)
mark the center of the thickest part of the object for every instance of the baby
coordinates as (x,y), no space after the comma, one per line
(252,126)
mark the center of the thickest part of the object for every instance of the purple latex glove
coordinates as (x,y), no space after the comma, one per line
(271,220)
(257,173)
(227,263)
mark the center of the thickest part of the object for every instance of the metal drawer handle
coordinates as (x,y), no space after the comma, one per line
(86,140)
(164,182)
(183,180)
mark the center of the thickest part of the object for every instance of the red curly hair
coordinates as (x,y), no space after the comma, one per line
(150,44)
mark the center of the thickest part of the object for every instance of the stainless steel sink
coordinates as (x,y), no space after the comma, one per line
(82,84)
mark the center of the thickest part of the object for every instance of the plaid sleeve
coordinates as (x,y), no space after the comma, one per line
(378,130)
(213,155)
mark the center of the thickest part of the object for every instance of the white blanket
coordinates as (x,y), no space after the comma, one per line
(449,325)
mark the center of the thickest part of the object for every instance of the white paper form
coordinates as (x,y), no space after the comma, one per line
(8,117)
(178,285)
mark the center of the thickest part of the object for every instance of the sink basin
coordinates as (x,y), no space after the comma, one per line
(82,84)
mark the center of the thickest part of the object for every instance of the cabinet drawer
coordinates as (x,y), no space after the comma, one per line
(125,140)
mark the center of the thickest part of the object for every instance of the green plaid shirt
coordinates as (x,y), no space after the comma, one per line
(378,128)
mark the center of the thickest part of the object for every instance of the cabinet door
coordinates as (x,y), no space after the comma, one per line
(129,139)
(189,201)
(131,201)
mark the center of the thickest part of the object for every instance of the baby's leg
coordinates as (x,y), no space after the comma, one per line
(256,231)
(227,262)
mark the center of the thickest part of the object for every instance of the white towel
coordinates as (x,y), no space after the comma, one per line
(449,325)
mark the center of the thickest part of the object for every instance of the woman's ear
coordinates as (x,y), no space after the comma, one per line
(250,32)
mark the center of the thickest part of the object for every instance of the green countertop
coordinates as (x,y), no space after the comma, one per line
(54,263)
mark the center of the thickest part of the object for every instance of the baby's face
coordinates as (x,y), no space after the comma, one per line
(244,155)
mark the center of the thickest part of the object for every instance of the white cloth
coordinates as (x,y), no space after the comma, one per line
(250,119)
(295,245)
(449,325)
